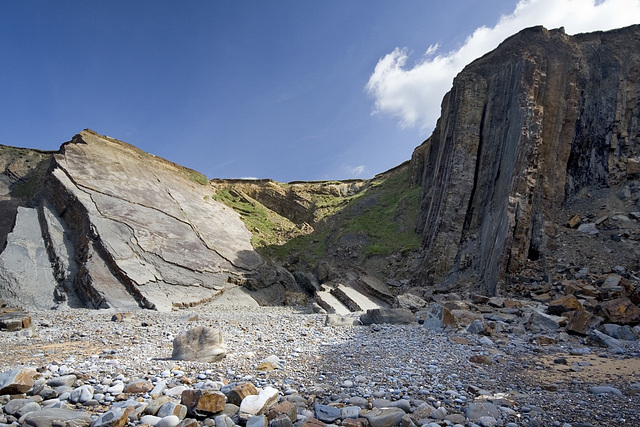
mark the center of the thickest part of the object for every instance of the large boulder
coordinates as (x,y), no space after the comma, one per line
(439,318)
(200,344)
(398,316)
(621,311)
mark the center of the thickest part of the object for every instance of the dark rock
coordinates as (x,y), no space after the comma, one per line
(326,413)
(621,311)
(581,322)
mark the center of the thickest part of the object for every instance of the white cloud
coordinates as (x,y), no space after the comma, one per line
(356,170)
(413,95)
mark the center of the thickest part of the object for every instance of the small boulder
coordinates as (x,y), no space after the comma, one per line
(14,319)
(116,417)
(581,322)
(258,404)
(588,228)
(16,381)
(327,413)
(240,391)
(138,387)
(564,304)
(200,344)
(383,417)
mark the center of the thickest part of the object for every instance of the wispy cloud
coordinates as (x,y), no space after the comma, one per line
(413,94)
(355,170)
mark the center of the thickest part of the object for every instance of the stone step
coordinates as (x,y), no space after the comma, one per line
(331,303)
(354,300)
(376,288)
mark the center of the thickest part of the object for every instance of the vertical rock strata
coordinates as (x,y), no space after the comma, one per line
(523,129)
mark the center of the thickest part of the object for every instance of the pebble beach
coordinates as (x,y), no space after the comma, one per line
(332,374)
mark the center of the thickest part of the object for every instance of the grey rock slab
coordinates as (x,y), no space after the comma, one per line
(330,303)
(26,278)
(115,416)
(352,298)
(588,228)
(541,322)
(475,411)
(27,408)
(58,417)
(257,421)
(13,406)
(612,343)
(326,413)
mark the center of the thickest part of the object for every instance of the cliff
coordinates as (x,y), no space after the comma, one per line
(530,178)
(526,131)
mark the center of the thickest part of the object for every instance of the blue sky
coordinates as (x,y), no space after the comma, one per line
(288,90)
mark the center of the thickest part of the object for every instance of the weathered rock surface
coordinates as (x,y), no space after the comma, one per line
(201,344)
(119,228)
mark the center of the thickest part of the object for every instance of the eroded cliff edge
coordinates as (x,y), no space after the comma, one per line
(526,130)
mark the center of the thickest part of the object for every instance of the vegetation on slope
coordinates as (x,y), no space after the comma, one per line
(267,227)
(380,215)
(387,220)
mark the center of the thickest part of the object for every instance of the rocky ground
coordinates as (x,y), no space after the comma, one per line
(352,375)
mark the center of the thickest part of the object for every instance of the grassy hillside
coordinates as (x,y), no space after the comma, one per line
(374,218)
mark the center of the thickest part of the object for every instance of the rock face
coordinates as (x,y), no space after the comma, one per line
(119,228)
(524,129)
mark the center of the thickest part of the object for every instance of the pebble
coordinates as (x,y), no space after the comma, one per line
(328,372)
